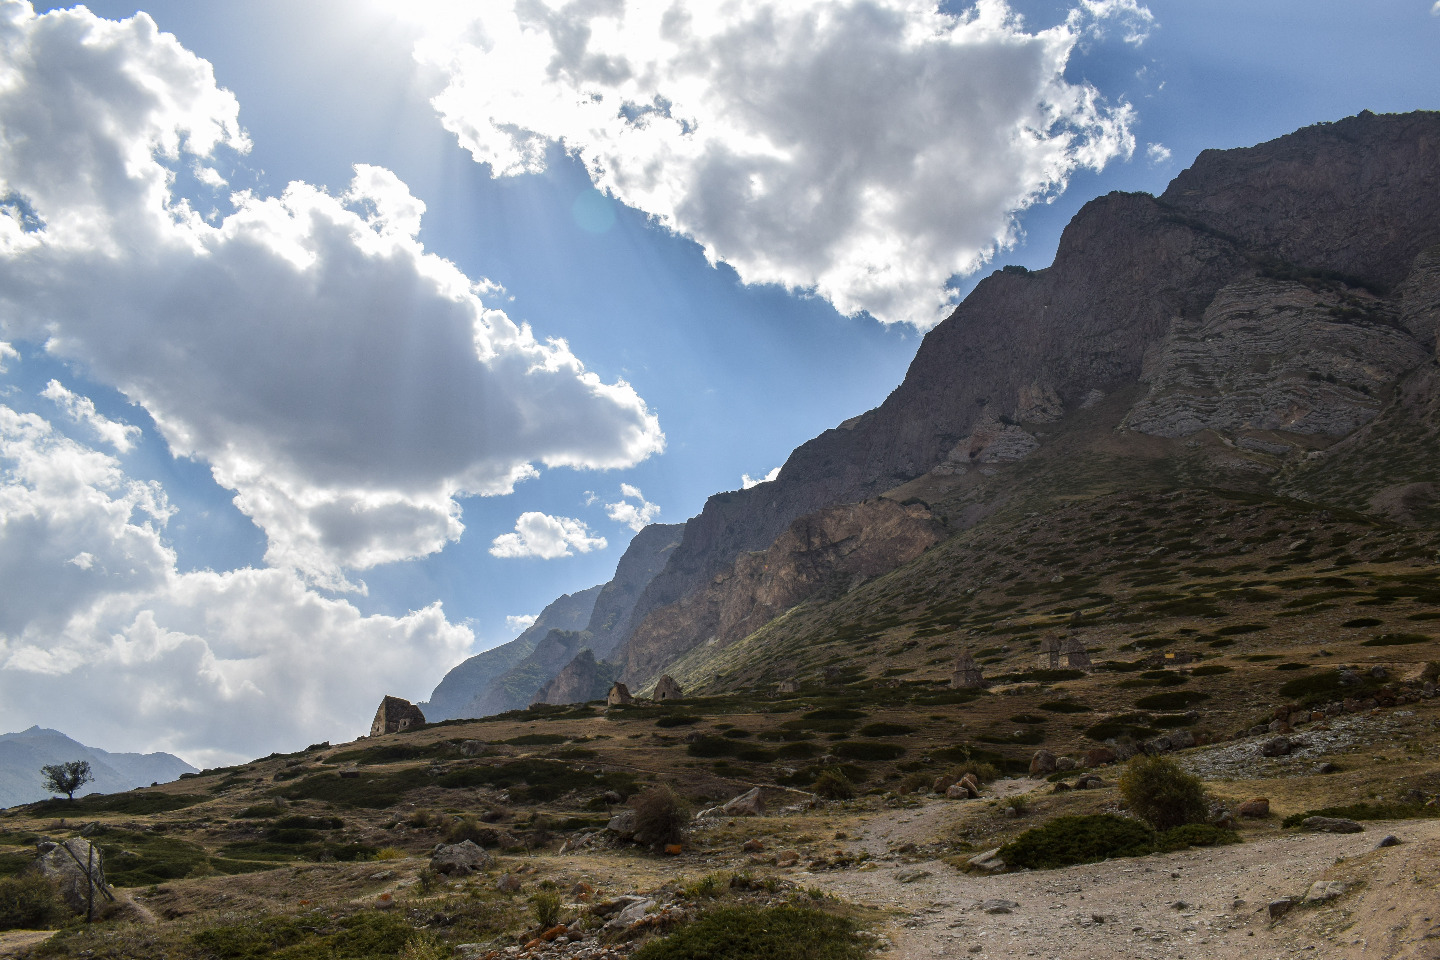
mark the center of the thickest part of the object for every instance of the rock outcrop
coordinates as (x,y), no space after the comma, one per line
(76,868)
(643,559)
(833,547)
(581,680)
(394,716)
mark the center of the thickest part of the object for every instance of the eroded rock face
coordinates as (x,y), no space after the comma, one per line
(582,679)
(1274,356)
(839,544)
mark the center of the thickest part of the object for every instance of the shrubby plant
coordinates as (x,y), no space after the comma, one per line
(1161,793)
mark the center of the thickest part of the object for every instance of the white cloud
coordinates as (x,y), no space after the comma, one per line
(747,481)
(346,384)
(102,637)
(863,149)
(1157,153)
(7,352)
(1136,20)
(521,623)
(636,516)
(121,436)
(1435,10)
(540,535)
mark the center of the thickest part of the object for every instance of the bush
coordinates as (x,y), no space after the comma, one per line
(1177,700)
(546,907)
(1078,839)
(760,933)
(1195,835)
(833,785)
(660,816)
(1367,811)
(27,902)
(1163,794)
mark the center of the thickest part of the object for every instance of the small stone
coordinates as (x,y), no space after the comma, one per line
(1042,763)
(1275,747)
(999,906)
(1278,908)
(1389,840)
(911,876)
(754,846)
(508,883)
(1323,891)
(1065,764)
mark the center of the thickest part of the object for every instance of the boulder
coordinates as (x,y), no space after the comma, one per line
(1042,764)
(460,859)
(1275,747)
(1099,756)
(748,804)
(1323,891)
(1278,908)
(1254,809)
(76,869)
(473,748)
(960,791)
(941,784)
(508,883)
(623,825)
(988,862)
(1330,825)
(1065,764)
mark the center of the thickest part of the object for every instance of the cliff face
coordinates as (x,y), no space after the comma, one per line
(580,680)
(1360,197)
(466,681)
(646,555)
(827,549)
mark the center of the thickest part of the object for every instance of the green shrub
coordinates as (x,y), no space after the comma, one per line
(134,804)
(833,785)
(885,730)
(748,932)
(313,936)
(864,750)
(1161,793)
(712,747)
(1361,622)
(546,906)
(1211,670)
(1175,700)
(1078,839)
(1065,706)
(27,902)
(833,713)
(1367,811)
(1396,640)
(677,720)
(660,816)
(1194,835)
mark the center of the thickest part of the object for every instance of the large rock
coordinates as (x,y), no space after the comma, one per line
(460,859)
(1330,825)
(1042,764)
(76,867)
(394,716)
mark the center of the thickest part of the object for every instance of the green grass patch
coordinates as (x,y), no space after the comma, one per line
(393,753)
(134,804)
(311,936)
(1367,811)
(1397,640)
(748,932)
(1173,700)
(1066,706)
(868,751)
(677,720)
(373,791)
(539,781)
(1069,840)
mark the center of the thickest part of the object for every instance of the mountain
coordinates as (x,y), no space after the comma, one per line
(509,676)
(23,754)
(1266,325)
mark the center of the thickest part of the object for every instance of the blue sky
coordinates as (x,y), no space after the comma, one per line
(734,373)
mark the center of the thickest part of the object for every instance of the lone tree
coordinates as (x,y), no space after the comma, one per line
(67,777)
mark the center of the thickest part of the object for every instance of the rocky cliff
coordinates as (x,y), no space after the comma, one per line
(644,558)
(825,550)
(1132,281)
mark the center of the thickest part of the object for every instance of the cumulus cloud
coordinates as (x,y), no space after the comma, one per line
(1157,153)
(7,352)
(346,384)
(541,535)
(747,481)
(636,515)
(121,436)
(865,150)
(102,637)
(521,623)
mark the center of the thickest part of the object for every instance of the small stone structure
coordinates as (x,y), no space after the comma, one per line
(788,686)
(1050,649)
(395,715)
(619,695)
(667,689)
(1076,657)
(967,674)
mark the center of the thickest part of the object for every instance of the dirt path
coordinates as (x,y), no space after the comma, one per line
(1198,904)
(12,941)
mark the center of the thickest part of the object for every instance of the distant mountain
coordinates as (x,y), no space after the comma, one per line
(23,754)
(509,676)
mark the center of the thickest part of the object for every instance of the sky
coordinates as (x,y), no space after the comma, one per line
(340,336)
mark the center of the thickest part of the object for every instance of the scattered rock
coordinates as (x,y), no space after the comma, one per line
(910,876)
(1389,840)
(787,858)
(623,825)
(1330,825)
(1099,757)
(1042,764)
(989,861)
(473,748)
(999,906)
(754,846)
(508,883)
(1065,764)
